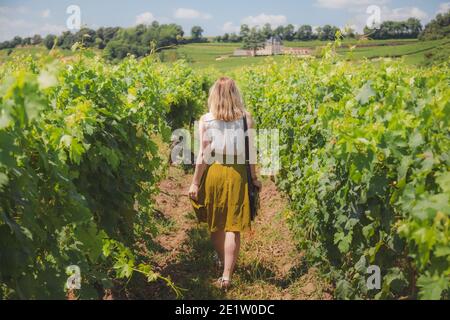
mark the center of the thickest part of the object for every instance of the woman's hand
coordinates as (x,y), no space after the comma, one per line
(193,192)
(257,184)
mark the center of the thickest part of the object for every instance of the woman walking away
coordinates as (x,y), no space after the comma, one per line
(219,191)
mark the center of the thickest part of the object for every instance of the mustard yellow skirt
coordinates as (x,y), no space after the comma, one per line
(223,200)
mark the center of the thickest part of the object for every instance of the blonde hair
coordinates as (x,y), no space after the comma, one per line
(225,100)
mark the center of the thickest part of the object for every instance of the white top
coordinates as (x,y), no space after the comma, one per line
(226,137)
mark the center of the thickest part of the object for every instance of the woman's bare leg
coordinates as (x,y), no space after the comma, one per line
(218,240)
(232,246)
(237,250)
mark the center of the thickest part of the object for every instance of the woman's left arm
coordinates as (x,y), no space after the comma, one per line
(251,125)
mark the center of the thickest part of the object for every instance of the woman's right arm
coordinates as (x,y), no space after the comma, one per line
(200,164)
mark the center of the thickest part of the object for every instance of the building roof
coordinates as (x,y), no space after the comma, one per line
(274,39)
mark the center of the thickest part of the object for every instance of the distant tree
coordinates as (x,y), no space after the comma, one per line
(319,33)
(288,32)
(178,29)
(267,31)
(245,31)
(234,38)
(279,31)
(86,36)
(438,28)
(5,45)
(410,28)
(196,33)
(170,34)
(139,30)
(49,41)
(229,37)
(100,33)
(26,41)
(37,39)
(327,32)
(17,41)
(110,33)
(139,40)
(116,49)
(349,32)
(152,34)
(254,40)
(304,33)
(333,32)
(414,27)
(99,43)
(105,35)
(66,40)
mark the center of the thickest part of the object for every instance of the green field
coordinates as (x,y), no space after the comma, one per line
(347,42)
(219,55)
(215,55)
(407,49)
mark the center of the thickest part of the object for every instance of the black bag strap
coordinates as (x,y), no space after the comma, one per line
(247,142)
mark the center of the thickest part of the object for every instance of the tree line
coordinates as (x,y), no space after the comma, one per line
(288,33)
(116,42)
(438,28)
(409,29)
(19,41)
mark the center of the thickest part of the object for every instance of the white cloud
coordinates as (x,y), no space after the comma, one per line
(444,7)
(361,17)
(145,18)
(359,21)
(399,14)
(51,28)
(9,28)
(19,21)
(184,13)
(148,17)
(349,4)
(229,27)
(46,13)
(262,19)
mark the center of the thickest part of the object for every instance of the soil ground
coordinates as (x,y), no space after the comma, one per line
(269,267)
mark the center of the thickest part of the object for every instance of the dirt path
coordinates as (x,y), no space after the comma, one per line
(269,267)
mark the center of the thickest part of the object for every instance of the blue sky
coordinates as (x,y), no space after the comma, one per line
(27,17)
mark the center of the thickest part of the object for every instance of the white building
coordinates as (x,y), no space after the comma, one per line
(272,46)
